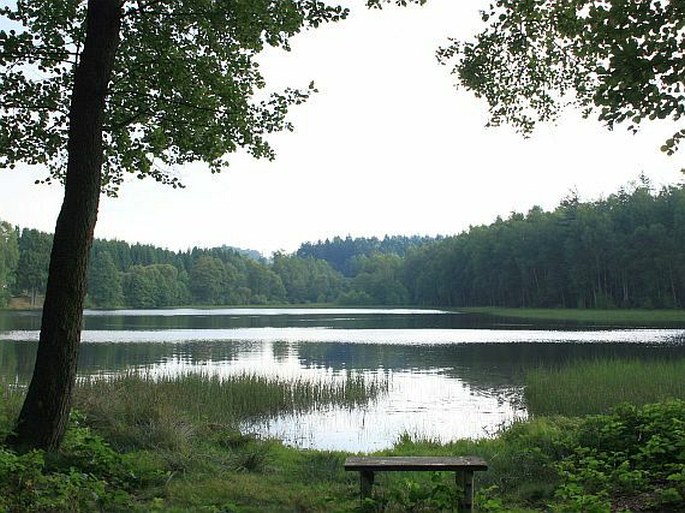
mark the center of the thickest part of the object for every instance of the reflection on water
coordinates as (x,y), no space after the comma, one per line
(449,375)
(421,404)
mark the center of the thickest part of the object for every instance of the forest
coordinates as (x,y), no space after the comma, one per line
(622,251)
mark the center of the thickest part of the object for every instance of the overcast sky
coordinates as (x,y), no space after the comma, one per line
(388,146)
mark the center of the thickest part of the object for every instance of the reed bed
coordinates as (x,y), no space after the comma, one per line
(592,387)
(138,410)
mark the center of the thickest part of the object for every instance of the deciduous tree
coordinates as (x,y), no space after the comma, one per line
(99,88)
(619,60)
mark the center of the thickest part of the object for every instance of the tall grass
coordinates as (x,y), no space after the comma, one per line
(596,386)
(136,410)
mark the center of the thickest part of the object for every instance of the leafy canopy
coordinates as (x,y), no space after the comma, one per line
(623,60)
(183,87)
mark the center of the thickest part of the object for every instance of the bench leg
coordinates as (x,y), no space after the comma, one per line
(465,482)
(366,482)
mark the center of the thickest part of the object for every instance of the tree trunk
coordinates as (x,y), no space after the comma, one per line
(45,412)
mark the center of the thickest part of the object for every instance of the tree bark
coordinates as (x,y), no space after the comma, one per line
(44,415)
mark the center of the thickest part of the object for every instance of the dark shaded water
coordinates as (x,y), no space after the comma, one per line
(449,374)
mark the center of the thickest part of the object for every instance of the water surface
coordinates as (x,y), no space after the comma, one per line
(449,374)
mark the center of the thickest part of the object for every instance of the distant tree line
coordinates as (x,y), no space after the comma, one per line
(619,252)
(145,276)
(623,251)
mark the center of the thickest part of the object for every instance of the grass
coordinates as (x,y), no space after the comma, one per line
(596,386)
(616,316)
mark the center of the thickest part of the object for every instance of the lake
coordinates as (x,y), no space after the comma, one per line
(449,374)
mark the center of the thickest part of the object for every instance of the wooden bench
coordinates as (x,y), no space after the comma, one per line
(464,466)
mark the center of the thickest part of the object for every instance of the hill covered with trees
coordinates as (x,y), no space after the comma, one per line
(621,251)
(344,254)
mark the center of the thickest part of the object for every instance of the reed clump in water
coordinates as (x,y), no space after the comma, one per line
(138,410)
(596,386)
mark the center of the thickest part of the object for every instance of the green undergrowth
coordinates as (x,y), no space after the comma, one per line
(632,459)
(597,386)
(85,475)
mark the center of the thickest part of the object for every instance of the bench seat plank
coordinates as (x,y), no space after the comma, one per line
(410,463)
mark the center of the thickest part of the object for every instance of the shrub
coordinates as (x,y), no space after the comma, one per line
(635,452)
(85,475)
